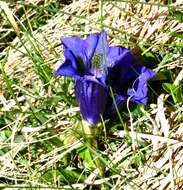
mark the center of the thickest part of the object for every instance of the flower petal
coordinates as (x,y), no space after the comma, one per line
(115,53)
(102,45)
(98,68)
(92,98)
(123,69)
(69,67)
(119,100)
(82,48)
(76,45)
(90,44)
(139,91)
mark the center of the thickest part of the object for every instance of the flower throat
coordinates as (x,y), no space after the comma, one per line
(96,64)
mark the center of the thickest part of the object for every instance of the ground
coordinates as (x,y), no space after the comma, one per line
(43,140)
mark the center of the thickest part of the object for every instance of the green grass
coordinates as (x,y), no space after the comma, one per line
(44,144)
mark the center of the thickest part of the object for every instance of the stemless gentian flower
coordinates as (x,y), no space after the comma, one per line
(83,62)
(95,67)
(127,78)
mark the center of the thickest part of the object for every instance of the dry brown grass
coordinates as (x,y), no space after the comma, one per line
(126,23)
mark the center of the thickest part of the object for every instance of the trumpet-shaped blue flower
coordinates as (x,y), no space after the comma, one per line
(95,67)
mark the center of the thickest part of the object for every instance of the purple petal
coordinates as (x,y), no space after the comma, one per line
(116,53)
(90,44)
(119,100)
(92,98)
(125,73)
(101,51)
(102,46)
(123,67)
(69,67)
(81,48)
(138,92)
(76,45)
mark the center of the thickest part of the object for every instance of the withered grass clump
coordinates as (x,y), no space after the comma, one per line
(38,111)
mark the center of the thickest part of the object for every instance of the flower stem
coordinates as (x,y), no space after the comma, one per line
(91,133)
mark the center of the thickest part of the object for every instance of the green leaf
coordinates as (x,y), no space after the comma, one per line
(71,175)
(161,76)
(177,14)
(175,91)
(85,154)
(150,59)
(41,116)
(177,34)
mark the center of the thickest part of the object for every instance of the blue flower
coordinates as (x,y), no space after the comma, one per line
(95,67)
(92,97)
(127,78)
(84,57)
